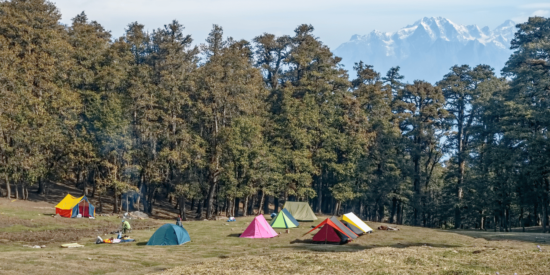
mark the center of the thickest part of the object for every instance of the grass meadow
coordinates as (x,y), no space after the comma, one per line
(216,249)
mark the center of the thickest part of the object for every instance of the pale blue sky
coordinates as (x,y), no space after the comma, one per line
(334,21)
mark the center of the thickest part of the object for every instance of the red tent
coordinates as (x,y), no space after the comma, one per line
(332,232)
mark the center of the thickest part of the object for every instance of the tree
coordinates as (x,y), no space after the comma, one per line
(422,108)
(39,106)
(228,87)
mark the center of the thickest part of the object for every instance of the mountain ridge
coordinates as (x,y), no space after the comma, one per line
(427,49)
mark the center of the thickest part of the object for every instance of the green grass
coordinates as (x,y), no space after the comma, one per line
(215,248)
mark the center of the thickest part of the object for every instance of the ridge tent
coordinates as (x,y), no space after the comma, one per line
(353,228)
(354,220)
(169,234)
(332,232)
(70,207)
(284,220)
(258,228)
(300,211)
(344,228)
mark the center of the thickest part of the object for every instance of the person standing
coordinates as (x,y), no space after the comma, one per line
(178,221)
(125,226)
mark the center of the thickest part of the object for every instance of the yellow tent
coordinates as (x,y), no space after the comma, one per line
(72,206)
(354,220)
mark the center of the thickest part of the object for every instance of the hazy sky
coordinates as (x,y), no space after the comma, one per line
(334,21)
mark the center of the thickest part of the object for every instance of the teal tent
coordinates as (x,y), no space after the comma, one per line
(169,234)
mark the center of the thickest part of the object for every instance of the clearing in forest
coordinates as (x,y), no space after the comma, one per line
(216,249)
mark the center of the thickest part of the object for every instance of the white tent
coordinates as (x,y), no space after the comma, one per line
(351,218)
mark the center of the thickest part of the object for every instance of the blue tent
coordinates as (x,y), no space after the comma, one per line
(169,234)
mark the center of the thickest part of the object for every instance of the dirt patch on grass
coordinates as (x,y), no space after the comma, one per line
(40,231)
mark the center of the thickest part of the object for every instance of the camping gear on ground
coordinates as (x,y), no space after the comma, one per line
(300,211)
(258,228)
(333,231)
(71,207)
(123,239)
(383,227)
(355,221)
(273,215)
(169,234)
(71,245)
(231,219)
(284,220)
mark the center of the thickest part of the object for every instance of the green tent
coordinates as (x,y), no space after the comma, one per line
(300,211)
(284,220)
(169,234)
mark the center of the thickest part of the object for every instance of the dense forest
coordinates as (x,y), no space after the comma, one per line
(231,127)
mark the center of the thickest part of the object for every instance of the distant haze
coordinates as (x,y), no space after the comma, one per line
(334,21)
(427,49)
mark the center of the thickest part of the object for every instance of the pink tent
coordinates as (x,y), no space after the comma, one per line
(259,228)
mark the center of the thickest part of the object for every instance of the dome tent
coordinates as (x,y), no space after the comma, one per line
(169,234)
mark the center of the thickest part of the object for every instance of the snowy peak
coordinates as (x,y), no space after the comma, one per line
(431,43)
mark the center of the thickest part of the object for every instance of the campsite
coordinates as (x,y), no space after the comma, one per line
(237,137)
(216,249)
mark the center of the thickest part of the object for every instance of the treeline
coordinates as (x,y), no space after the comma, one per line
(234,123)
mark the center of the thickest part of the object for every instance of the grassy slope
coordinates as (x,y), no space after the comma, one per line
(215,248)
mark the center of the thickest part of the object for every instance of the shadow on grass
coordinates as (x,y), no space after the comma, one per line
(141,243)
(351,247)
(234,235)
(500,236)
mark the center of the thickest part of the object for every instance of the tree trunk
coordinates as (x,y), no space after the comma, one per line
(399,212)
(237,206)
(417,190)
(261,204)
(393,210)
(245,207)
(381,212)
(266,204)
(199,209)
(251,205)
(101,203)
(115,196)
(336,208)
(16,191)
(544,216)
(481,220)
(361,209)
(211,193)
(193,204)
(41,186)
(182,203)
(230,207)
(320,195)
(276,204)
(8,187)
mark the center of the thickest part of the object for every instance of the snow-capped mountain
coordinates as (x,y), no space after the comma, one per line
(428,48)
